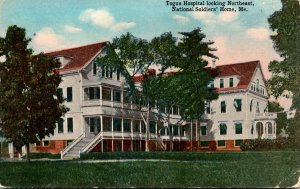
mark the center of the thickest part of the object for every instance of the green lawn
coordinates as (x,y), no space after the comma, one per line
(218,169)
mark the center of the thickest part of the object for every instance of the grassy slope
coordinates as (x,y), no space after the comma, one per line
(221,169)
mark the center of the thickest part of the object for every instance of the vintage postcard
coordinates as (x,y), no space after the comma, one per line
(149,93)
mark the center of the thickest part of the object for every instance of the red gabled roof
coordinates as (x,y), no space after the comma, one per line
(140,78)
(79,55)
(244,70)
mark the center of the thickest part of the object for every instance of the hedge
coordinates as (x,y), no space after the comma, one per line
(44,155)
(269,144)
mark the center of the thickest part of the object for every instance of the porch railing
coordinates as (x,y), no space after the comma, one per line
(93,142)
(68,148)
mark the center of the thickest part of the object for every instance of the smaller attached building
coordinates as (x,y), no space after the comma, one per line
(241,111)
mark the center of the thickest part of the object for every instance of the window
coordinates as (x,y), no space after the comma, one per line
(94,124)
(70,125)
(252,129)
(251,104)
(208,107)
(59,93)
(164,131)
(46,142)
(38,143)
(69,142)
(103,71)
(117,124)
(94,68)
(118,75)
(175,129)
(181,129)
(126,97)
(237,104)
(230,82)
(117,96)
(238,128)
(203,130)
(60,125)
(221,83)
(106,93)
(107,124)
(221,143)
(175,110)
(238,142)
(223,107)
(143,127)
(111,70)
(126,125)
(162,108)
(223,129)
(106,71)
(257,85)
(136,126)
(257,107)
(211,84)
(92,93)
(204,144)
(270,129)
(69,94)
(152,126)
(169,109)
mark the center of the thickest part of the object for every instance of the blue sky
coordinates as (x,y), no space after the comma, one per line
(56,24)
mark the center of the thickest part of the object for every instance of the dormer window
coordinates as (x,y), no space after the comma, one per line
(64,60)
(231,82)
(94,68)
(211,84)
(221,83)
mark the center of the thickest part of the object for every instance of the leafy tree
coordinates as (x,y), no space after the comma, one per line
(29,104)
(285,73)
(281,121)
(186,88)
(286,40)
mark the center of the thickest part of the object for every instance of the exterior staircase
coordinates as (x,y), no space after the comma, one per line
(156,143)
(81,144)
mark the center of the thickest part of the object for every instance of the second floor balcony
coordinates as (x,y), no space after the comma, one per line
(266,116)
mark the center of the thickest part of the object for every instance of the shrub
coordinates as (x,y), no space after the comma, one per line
(44,155)
(269,144)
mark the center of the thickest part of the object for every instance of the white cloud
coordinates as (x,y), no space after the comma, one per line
(228,16)
(122,25)
(181,19)
(258,33)
(72,29)
(205,17)
(99,17)
(104,19)
(47,40)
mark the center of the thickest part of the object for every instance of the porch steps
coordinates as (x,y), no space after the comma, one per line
(74,151)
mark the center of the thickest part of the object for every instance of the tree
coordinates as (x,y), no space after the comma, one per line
(281,121)
(186,88)
(285,74)
(30,105)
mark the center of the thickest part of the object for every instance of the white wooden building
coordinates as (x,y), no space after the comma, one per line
(102,118)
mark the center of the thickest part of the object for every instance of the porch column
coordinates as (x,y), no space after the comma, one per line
(191,135)
(101,97)
(24,150)
(101,123)
(11,150)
